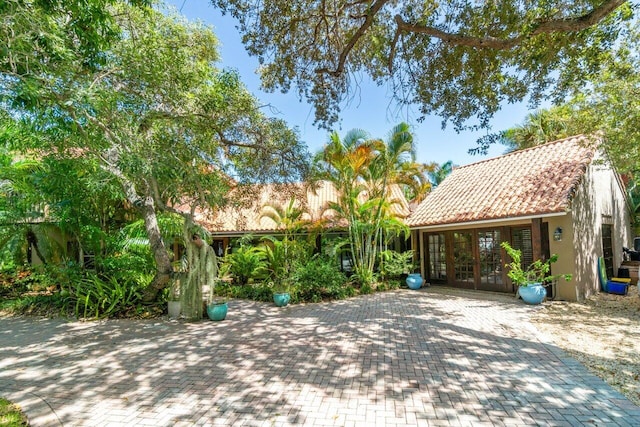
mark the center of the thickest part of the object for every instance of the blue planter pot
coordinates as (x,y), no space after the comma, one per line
(217,311)
(414,281)
(533,293)
(281,298)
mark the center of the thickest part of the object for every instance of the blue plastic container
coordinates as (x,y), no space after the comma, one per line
(617,288)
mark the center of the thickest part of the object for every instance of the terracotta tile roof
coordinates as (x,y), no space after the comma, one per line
(535,181)
(248,216)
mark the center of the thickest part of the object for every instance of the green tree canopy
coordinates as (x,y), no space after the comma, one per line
(157,116)
(457,59)
(609,106)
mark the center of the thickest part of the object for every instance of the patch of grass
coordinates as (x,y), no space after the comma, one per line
(11,415)
(7,304)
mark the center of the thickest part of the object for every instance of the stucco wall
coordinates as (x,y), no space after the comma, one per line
(599,200)
(54,246)
(565,249)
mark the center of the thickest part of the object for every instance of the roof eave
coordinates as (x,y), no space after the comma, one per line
(481,222)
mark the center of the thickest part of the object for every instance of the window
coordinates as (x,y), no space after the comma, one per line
(521,240)
(607,248)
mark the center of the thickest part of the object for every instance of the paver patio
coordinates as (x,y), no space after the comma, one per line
(437,357)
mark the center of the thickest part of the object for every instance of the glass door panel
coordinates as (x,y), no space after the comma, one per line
(463,258)
(490,260)
(436,249)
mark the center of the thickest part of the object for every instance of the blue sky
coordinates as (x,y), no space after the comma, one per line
(371,110)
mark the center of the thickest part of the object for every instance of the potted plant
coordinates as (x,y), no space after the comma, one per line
(530,280)
(281,295)
(414,281)
(216,308)
(279,257)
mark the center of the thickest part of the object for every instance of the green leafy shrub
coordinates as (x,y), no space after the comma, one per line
(394,264)
(388,285)
(55,304)
(281,257)
(259,291)
(122,264)
(538,272)
(11,415)
(276,257)
(94,297)
(320,279)
(245,263)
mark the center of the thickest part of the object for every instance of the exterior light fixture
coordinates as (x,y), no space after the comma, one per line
(557,234)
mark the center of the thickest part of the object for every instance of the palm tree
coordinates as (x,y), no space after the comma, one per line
(281,255)
(363,170)
(437,173)
(395,164)
(539,127)
(288,218)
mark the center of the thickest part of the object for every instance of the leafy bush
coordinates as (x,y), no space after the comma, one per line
(281,257)
(40,304)
(277,258)
(389,285)
(394,264)
(256,291)
(320,279)
(122,264)
(245,263)
(94,297)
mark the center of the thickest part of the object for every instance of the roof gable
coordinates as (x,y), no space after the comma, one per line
(536,181)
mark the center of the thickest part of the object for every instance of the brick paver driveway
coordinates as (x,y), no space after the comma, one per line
(429,357)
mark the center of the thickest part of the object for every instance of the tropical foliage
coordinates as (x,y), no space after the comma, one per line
(537,272)
(364,171)
(394,265)
(244,263)
(11,415)
(143,108)
(437,173)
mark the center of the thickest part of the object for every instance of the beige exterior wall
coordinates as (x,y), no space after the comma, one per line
(600,199)
(55,246)
(566,251)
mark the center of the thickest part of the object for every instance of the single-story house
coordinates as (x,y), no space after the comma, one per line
(248,216)
(561,198)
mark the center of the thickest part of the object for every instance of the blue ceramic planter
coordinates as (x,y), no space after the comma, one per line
(533,293)
(281,298)
(414,281)
(217,311)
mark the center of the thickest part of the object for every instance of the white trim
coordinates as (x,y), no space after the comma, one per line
(488,221)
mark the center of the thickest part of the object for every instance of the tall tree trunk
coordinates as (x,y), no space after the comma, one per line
(164,269)
(147,207)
